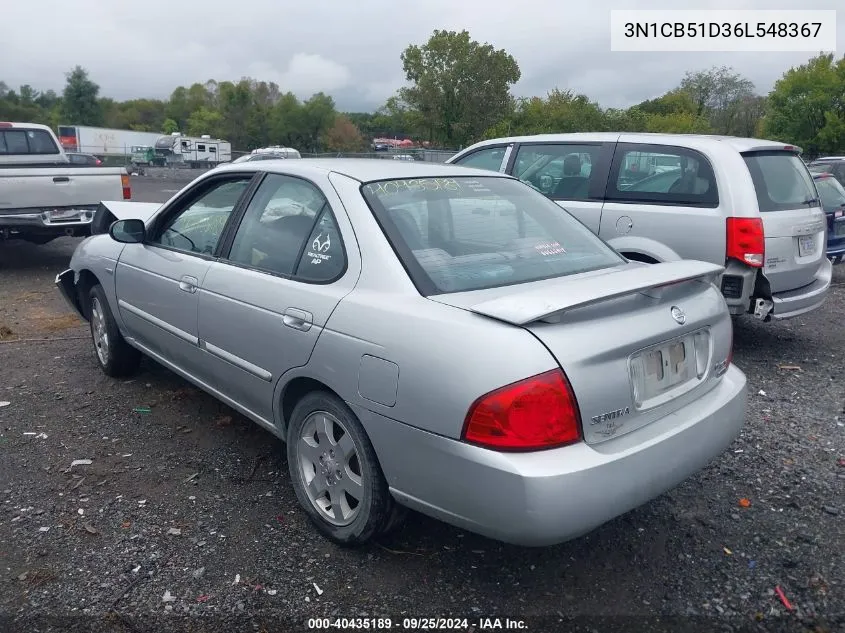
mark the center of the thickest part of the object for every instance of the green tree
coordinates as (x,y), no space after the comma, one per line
(719,94)
(80,105)
(317,116)
(169,126)
(205,121)
(460,86)
(807,106)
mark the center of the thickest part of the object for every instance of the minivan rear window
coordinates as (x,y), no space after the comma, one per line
(467,233)
(781,180)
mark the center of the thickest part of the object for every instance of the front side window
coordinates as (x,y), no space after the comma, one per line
(197,228)
(288,229)
(490,158)
(466,233)
(560,171)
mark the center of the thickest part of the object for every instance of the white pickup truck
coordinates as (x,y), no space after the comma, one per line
(43,196)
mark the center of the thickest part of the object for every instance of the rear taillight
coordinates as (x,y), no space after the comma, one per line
(5,124)
(127,191)
(536,413)
(746,241)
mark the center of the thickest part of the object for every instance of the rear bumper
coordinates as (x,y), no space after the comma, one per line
(548,497)
(793,303)
(67,288)
(77,219)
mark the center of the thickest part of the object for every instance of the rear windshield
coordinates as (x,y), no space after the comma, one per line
(831,193)
(782,181)
(23,141)
(468,233)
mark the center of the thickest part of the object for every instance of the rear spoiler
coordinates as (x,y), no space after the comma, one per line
(548,300)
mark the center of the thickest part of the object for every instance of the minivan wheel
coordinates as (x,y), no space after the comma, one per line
(116,357)
(335,472)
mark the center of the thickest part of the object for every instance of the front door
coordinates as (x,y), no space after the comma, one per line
(574,175)
(265,303)
(157,282)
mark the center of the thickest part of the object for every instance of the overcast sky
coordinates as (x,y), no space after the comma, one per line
(350,49)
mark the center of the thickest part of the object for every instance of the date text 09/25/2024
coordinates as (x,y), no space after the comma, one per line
(417,624)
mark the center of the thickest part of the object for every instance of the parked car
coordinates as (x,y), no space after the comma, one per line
(421,335)
(747,204)
(832,195)
(268,153)
(80,159)
(834,165)
(43,195)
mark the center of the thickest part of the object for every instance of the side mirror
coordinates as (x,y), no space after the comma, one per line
(128,231)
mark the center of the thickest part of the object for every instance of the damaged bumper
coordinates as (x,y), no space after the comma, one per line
(66,284)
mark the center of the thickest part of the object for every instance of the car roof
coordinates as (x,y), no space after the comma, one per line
(738,143)
(362,169)
(822,159)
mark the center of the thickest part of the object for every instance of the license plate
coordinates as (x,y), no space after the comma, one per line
(806,245)
(839,229)
(662,370)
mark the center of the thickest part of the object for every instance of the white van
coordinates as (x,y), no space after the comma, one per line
(750,205)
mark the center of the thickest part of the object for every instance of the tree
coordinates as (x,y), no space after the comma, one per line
(344,136)
(717,94)
(169,126)
(318,114)
(79,99)
(205,121)
(807,106)
(460,87)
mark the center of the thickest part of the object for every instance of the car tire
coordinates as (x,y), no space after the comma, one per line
(333,467)
(115,356)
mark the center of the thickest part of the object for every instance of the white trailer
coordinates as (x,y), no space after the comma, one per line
(103,141)
(193,151)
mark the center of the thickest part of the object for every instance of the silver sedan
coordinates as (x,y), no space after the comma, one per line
(421,336)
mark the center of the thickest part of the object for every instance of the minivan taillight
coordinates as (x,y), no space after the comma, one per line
(127,191)
(536,413)
(746,241)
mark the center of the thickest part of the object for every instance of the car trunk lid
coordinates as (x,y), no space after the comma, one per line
(793,220)
(637,342)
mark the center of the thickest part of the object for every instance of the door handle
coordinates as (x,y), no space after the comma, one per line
(298,319)
(61,179)
(188,284)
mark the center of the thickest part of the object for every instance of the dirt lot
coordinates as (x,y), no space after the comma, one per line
(186,508)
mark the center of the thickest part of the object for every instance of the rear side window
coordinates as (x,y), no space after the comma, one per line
(560,171)
(658,174)
(490,158)
(289,230)
(781,180)
(23,141)
(464,233)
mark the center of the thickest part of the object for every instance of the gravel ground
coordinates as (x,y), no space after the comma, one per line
(185,518)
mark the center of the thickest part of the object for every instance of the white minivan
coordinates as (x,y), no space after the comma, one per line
(748,204)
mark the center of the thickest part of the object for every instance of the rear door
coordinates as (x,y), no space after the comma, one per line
(574,175)
(793,220)
(265,303)
(663,202)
